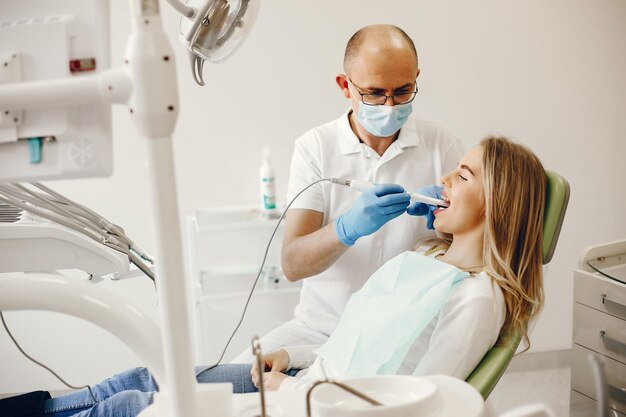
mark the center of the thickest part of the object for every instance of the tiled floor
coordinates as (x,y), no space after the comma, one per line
(535,378)
(541,378)
(548,386)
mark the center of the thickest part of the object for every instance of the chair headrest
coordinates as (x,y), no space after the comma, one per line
(557,197)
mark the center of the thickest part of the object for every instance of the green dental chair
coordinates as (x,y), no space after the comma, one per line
(494,363)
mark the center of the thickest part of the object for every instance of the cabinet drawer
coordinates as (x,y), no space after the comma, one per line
(583,381)
(581,405)
(600,293)
(600,332)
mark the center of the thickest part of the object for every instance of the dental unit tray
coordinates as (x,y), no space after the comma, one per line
(41,246)
(607,259)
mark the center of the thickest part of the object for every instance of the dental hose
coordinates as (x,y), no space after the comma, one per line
(256,280)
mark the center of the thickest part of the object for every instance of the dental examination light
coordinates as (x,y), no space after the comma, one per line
(213,29)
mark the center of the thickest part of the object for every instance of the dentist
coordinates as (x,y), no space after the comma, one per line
(334,237)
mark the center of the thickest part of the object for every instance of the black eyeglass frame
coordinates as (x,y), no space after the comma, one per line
(384,95)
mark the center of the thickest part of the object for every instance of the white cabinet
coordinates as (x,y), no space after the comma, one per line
(225,249)
(600,322)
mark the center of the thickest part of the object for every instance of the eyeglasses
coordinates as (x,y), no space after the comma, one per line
(380,99)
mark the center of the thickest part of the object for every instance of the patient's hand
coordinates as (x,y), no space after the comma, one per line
(273,379)
(275,361)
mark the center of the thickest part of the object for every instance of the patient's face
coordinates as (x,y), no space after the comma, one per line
(463,187)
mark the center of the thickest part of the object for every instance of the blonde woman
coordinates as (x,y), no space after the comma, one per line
(435,310)
(495,221)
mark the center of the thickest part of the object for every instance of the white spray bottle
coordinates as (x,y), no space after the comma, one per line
(267,186)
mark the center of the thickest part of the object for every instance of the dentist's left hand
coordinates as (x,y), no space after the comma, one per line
(421,209)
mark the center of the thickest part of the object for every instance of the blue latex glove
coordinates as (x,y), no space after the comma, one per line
(421,209)
(374,208)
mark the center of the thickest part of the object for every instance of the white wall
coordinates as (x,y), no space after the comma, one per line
(547,73)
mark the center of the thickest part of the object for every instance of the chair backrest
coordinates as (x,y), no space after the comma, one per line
(488,372)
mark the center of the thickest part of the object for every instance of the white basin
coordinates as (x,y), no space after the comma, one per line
(400,395)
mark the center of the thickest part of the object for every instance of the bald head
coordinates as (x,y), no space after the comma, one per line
(375,40)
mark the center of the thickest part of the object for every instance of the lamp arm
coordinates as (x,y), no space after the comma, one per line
(186,11)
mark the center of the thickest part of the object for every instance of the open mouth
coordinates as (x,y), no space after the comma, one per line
(442,208)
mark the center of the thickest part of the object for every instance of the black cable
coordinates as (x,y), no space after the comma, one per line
(245,308)
(41,364)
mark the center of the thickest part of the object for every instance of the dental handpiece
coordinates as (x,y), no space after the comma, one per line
(365,185)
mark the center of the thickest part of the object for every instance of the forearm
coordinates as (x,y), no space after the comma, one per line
(311,254)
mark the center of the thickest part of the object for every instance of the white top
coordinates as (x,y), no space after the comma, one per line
(452,344)
(423,152)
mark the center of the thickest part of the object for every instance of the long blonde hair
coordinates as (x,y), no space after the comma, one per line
(514,183)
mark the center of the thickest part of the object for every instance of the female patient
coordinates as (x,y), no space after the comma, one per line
(436,310)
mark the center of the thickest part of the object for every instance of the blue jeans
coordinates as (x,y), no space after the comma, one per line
(128,393)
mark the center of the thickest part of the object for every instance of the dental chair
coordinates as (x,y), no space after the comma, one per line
(488,372)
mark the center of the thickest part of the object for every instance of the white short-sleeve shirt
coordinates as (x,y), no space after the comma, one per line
(421,154)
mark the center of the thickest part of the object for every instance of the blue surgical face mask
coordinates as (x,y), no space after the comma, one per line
(383,121)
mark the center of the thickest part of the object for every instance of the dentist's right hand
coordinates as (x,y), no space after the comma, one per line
(374,208)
